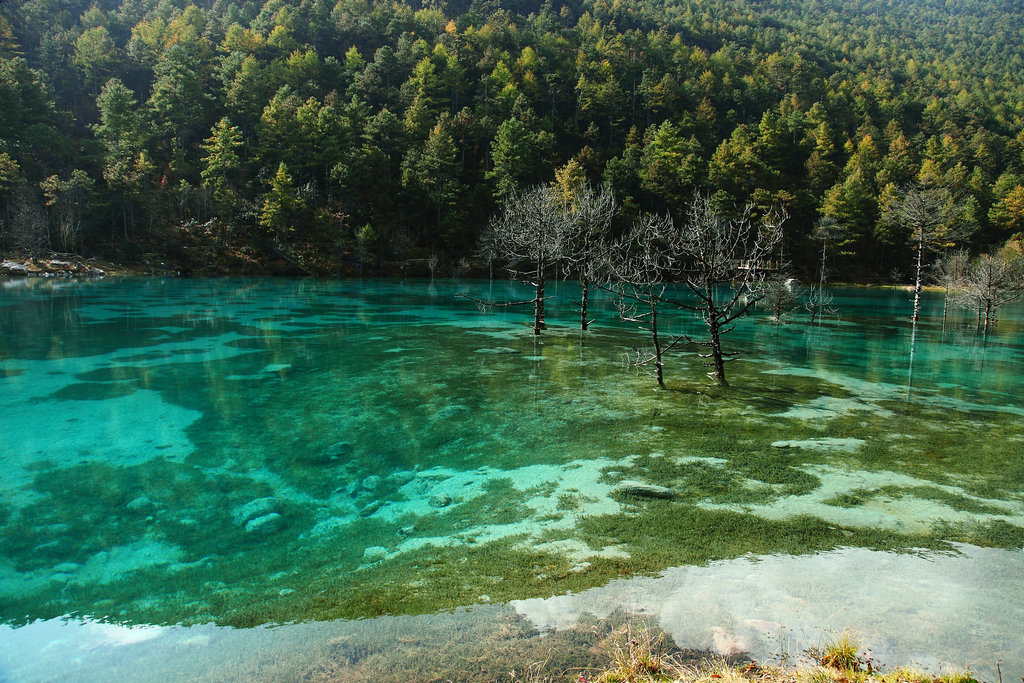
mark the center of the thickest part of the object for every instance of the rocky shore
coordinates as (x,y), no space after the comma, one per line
(56,266)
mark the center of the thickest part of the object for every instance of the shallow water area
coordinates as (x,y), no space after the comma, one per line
(228,455)
(771,608)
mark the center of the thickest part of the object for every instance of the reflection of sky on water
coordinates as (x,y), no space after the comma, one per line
(930,610)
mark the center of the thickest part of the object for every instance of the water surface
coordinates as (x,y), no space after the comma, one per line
(244,453)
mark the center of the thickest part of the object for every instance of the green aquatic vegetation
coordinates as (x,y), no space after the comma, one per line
(666,533)
(956,501)
(842,653)
(781,472)
(568,502)
(995,534)
(949,448)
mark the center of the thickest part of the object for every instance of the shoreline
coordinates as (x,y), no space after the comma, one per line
(75,266)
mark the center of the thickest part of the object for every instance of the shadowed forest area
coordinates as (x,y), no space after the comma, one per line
(381,136)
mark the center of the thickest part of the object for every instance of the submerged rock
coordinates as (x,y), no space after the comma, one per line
(258,507)
(402,477)
(448,412)
(639,488)
(264,524)
(371,508)
(371,482)
(141,504)
(341,451)
(337,451)
(440,500)
(375,553)
(824,444)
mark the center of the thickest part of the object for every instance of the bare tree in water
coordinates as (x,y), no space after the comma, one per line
(949,272)
(724,261)
(782,293)
(828,232)
(639,265)
(818,302)
(934,219)
(589,214)
(530,236)
(720,260)
(991,281)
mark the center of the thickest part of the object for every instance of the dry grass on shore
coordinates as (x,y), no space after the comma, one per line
(639,656)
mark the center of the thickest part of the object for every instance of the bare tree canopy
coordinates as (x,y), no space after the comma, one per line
(589,215)
(934,219)
(725,260)
(721,260)
(991,281)
(949,272)
(530,236)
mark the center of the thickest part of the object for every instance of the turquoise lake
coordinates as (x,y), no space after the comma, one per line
(271,479)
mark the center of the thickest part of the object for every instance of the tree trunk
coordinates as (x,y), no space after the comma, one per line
(821,278)
(659,372)
(716,349)
(945,306)
(538,306)
(917,284)
(988,314)
(584,296)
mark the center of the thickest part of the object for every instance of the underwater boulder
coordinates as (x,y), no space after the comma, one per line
(340,449)
(264,524)
(142,504)
(375,553)
(257,507)
(639,488)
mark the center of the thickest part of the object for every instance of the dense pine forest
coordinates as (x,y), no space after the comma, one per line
(332,137)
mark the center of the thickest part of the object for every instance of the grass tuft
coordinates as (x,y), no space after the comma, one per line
(841,654)
(638,656)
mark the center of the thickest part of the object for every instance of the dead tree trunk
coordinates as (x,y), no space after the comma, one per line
(659,365)
(538,306)
(584,299)
(717,361)
(920,270)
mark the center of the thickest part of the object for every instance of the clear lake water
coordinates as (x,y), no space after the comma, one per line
(274,479)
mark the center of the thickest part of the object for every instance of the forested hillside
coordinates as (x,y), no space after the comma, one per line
(327,134)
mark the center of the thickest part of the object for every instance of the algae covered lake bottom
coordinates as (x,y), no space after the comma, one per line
(277,476)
